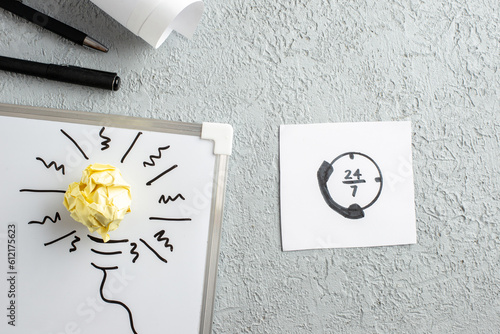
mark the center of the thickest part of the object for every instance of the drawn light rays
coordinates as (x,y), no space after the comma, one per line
(105,145)
(150,182)
(76,144)
(106,141)
(42,191)
(170,199)
(53,163)
(152,157)
(56,218)
(131,146)
(170,219)
(73,243)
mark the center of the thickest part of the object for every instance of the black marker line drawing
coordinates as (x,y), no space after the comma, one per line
(56,218)
(152,250)
(111,241)
(73,244)
(170,219)
(105,142)
(42,191)
(354,181)
(349,180)
(353,211)
(160,238)
(59,239)
(53,163)
(105,253)
(151,157)
(104,270)
(170,199)
(133,252)
(161,174)
(76,144)
(131,146)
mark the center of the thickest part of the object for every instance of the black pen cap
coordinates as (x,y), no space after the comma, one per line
(84,76)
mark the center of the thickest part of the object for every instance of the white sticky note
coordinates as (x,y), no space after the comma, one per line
(346,185)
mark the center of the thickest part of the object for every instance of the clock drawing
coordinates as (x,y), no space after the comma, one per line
(350,184)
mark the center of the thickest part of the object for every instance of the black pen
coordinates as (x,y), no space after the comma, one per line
(51,24)
(70,74)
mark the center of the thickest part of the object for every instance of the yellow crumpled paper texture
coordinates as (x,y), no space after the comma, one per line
(100,200)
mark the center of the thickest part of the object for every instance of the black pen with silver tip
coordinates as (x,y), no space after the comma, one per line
(51,24)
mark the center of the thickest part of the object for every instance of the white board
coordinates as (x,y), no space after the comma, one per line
(158,274)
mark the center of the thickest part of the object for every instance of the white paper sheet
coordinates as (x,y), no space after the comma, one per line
(154,20)
(346,185)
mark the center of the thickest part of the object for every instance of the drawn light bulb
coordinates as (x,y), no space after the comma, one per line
(350,184)
(157,244)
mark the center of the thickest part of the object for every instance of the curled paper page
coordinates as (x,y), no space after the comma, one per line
(154,20)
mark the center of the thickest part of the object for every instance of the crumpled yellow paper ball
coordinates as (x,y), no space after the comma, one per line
(100,200)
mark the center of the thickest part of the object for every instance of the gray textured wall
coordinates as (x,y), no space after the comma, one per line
(259,64)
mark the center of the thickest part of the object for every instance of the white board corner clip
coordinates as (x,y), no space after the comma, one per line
(221,134)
